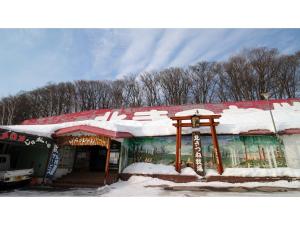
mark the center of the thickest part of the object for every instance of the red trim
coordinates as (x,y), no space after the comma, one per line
(258,132)
(290,131)
(93,130)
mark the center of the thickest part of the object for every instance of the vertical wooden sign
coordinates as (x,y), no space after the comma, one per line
(198,155)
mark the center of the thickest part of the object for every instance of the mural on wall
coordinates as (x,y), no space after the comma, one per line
(237,151)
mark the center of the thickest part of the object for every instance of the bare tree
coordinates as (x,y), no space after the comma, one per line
(175,85)
(264,68)
(9,108)
(241,83)
(132,93)
(288,75)
(203,76)
(150,86)
(117,89)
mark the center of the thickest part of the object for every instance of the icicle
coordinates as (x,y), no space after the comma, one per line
(269,157)
(273,156)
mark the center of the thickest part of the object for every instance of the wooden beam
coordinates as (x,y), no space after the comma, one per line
(204,124)
(190,117)
(107,162)
(216,148)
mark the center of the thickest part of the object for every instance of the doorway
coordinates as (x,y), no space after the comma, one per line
(97,158)
(90,159)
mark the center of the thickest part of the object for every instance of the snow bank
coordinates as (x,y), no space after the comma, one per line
(148,186)
(257,172)
(149,168)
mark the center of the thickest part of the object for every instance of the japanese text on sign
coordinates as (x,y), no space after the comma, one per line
(198,156)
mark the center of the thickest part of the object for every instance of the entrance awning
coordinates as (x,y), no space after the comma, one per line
(91,130)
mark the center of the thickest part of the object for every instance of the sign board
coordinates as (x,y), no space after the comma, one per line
(53,162)
(84,140)
(198,154)
(13,137)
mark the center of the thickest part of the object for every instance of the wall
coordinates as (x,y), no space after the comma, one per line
(292,150)
(237,151)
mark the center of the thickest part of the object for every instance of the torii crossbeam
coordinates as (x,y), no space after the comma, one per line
(211,123)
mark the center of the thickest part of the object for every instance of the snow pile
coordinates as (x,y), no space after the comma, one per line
(148,186)
(257,172)
(136,128)
(233,120)
(149,168)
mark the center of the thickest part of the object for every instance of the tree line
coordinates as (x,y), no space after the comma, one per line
(244,76)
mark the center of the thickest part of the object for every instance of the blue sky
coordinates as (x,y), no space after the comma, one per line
(31,58)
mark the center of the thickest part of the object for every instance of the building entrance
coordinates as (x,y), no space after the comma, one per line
(90,158)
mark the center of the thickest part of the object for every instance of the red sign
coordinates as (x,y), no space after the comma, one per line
(12,136)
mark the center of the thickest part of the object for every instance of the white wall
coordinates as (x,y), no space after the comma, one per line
(292,150)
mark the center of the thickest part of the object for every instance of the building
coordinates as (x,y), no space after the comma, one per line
(106,141)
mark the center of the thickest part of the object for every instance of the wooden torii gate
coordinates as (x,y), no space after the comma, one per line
(196,122)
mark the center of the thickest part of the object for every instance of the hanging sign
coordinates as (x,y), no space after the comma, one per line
(84,140)
(53,162)
(195,121)
(198,154)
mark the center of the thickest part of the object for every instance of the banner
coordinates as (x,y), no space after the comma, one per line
(53,162)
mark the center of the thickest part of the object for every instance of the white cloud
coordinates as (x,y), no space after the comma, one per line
(138,51)
(166,46)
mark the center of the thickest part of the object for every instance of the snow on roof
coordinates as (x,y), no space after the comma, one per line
(235,119)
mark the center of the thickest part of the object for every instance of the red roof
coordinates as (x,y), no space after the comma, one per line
(93,130)
(129,112)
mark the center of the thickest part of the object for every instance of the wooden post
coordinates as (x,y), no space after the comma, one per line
(216,147)
(178,147)
(107,163)
(179,155)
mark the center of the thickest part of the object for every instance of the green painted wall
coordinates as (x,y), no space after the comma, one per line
(237,151)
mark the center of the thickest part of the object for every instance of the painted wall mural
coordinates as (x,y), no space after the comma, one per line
(237,151)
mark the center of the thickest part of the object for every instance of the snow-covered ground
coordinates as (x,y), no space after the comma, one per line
(140,186)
